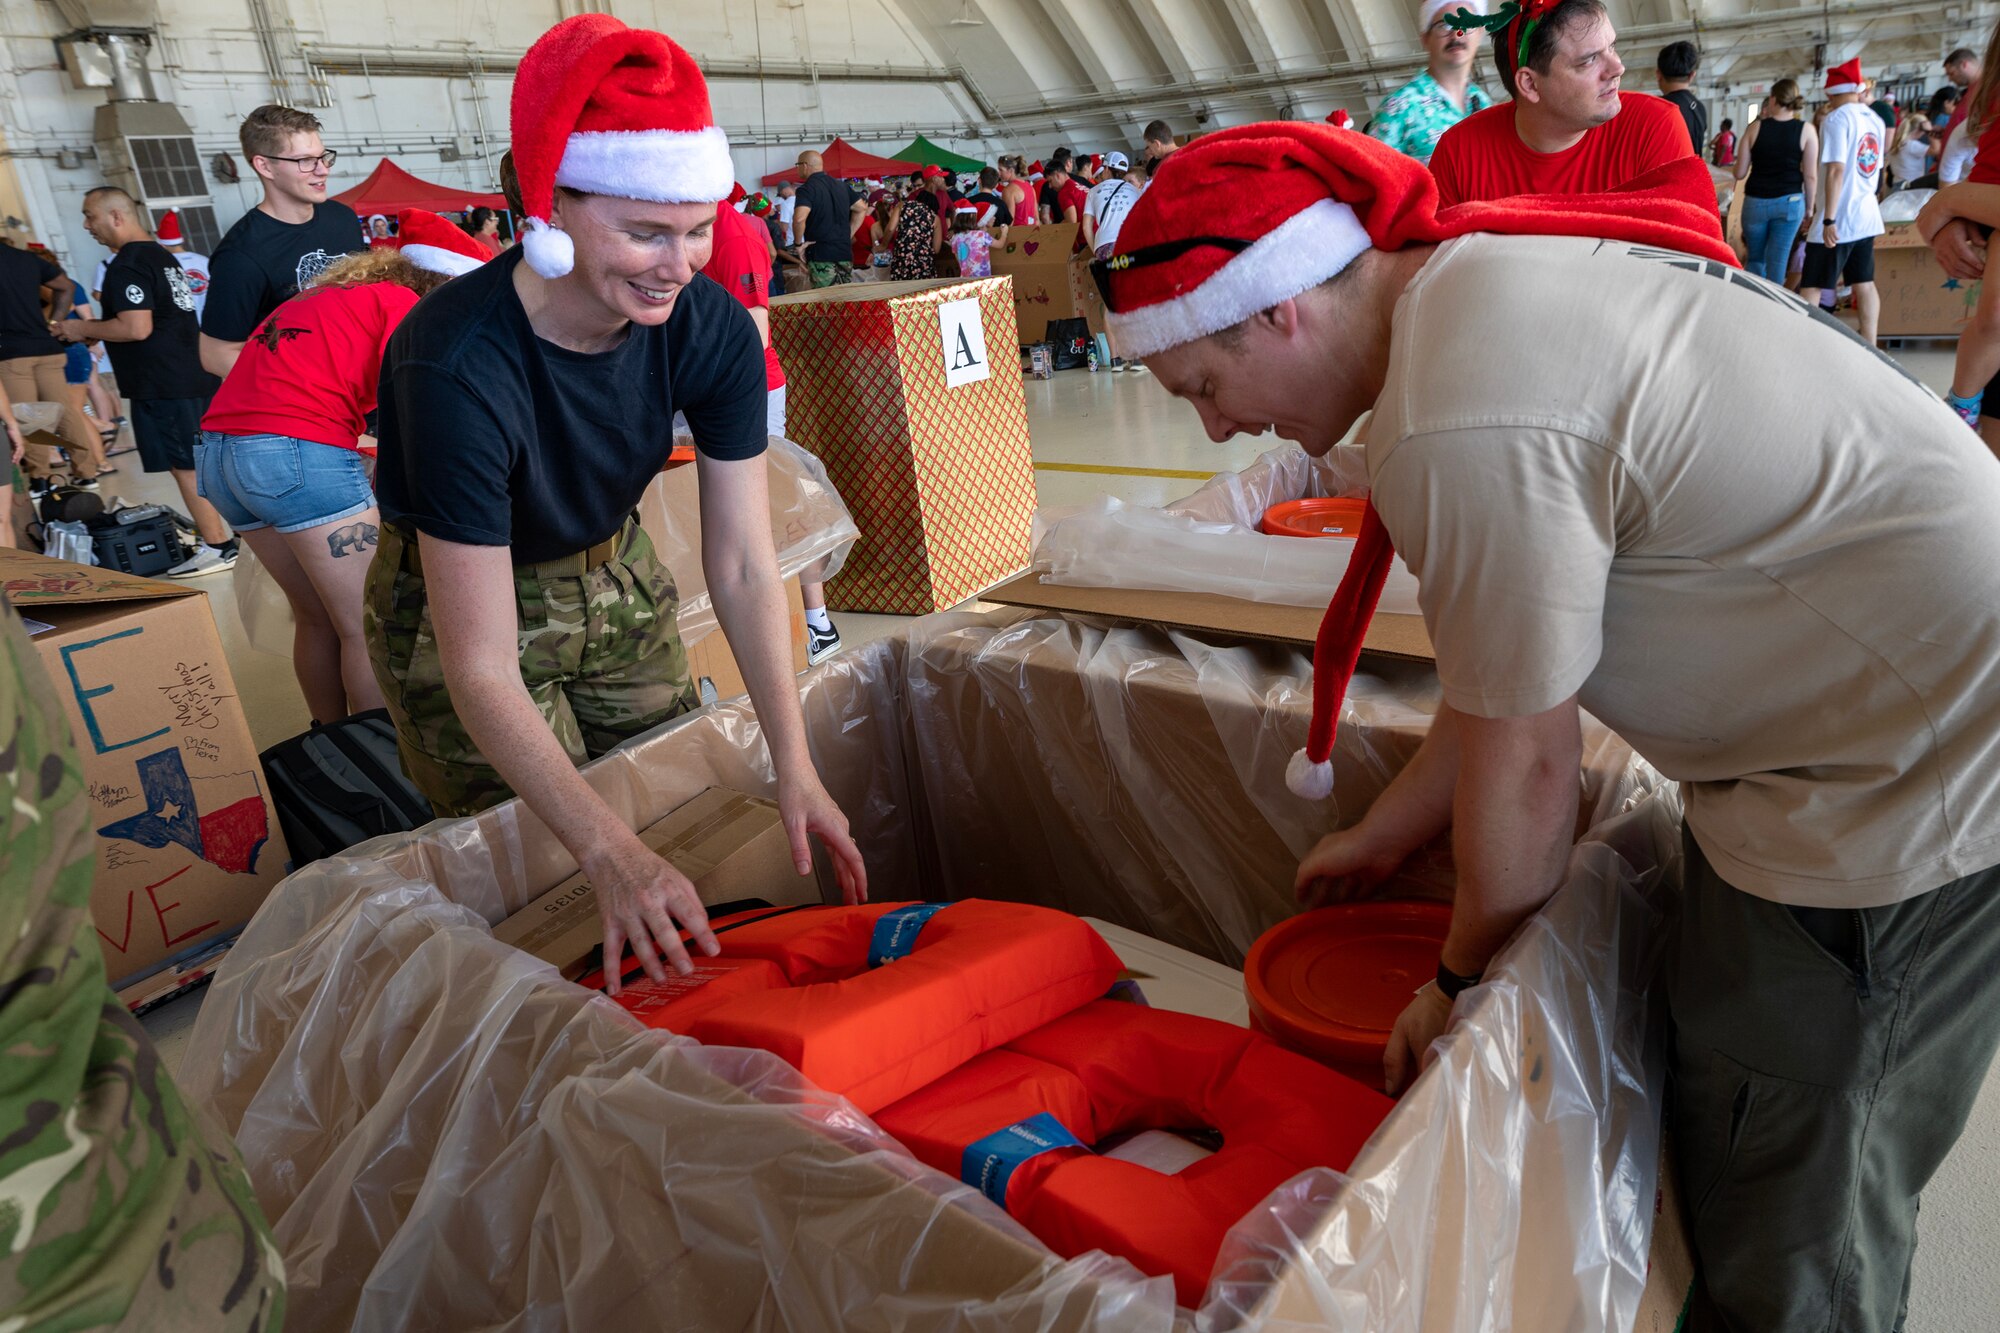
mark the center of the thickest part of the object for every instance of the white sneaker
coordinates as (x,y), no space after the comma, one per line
(208,560)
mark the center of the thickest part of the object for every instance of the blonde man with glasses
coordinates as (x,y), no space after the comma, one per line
(282,244)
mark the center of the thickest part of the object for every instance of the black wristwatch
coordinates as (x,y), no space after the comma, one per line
(1452,984)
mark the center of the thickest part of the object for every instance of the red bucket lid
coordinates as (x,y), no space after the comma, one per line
(1331,983)
(1334,517)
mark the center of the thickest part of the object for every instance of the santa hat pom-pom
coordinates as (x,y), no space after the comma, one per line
(549,250)
(1313,782)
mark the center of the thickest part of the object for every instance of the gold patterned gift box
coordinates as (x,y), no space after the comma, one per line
(910,392)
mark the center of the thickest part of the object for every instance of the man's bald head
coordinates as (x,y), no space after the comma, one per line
(110,196)
(811,162)
(112,217)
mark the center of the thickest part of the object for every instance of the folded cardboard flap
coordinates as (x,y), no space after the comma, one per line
(1037,259)
(730,845)
(1391,636)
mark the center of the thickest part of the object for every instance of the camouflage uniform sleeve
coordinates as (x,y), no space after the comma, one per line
(118,1205)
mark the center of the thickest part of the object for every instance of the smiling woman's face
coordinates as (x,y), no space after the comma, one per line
(634,257)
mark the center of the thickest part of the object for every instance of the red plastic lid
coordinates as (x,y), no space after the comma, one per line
(1331,983)
(1315,518)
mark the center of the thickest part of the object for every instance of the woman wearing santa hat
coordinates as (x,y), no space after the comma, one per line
(280,453)
(525,408)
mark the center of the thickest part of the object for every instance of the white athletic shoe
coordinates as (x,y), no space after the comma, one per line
(208,560)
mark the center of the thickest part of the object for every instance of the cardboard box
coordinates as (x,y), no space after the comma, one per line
(910,393)
(1918,300)
(1392,636)
(732,847)
(1083,294)
(673,503)
(187,843)
(1037,259)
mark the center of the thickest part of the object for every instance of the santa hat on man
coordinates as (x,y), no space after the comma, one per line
(1428,11)
(437,244)
(170,228)
(737,194)
(1243,219)
(1339,119)
(605,109)
(1844,78)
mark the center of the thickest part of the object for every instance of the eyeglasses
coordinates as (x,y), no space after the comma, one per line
(1147,255)
(325,159)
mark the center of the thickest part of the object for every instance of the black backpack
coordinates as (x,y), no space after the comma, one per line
(341,783)
(1072,340)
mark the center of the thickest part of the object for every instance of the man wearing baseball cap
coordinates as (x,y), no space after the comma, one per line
(1574,486)
(1412,118)
(524,409)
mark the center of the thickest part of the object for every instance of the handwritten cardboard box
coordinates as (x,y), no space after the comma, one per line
(187,845)
(1037,259)
(1918,299)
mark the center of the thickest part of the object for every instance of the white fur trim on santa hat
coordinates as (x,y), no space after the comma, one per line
(548,250)
(1298,254)
(1428,11)
(1307,780)
(1836,89)
(440,260)
(660,166)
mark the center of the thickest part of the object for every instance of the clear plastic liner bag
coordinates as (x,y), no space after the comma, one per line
(1904,205)
(1209,542)
(37,416)
(68,541)
(809,524)
(448,1135)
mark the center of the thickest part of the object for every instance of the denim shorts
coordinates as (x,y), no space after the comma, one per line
(276,481)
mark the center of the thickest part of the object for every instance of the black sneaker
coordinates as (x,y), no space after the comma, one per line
(820,645)
(87,484)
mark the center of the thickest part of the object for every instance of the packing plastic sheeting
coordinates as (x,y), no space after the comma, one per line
(809,523)
(1209,542)
(1904,205)
(38,416)
(448,1135)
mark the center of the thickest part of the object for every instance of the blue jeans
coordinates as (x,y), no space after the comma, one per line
(1769,228)
(276,481)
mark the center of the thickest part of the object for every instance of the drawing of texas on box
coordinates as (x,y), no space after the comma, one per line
(227,835)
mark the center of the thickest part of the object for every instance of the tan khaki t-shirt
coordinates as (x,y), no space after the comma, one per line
(1752,545)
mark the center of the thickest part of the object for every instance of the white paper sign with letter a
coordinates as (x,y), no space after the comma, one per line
(964,342)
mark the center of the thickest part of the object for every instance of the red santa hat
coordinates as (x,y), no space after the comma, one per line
(737,194)
(1245,218)
(170,228)
(1844,78)
(436,243)
(1339,119)
(606,109)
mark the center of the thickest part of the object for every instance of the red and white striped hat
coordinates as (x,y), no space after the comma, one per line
(435,243)
(606,109)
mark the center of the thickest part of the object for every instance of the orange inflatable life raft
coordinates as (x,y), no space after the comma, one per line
(875,1002)
(1019,1124)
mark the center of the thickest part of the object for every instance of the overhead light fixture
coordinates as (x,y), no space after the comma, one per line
(966,18)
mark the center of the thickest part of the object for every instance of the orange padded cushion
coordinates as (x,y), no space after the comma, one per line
(1112,1068)
(964,978)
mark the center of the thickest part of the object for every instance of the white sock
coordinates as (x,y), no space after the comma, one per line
(817,617)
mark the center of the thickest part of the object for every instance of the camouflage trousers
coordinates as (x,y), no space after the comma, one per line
(831,273)
(120,1206)
(601,656)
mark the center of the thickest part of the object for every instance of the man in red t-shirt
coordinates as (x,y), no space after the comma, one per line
(1070,199)
(741,262)
(1567,129)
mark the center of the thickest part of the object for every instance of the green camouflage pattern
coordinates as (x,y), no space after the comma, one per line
(830,273)
(601,656)
(118,1208)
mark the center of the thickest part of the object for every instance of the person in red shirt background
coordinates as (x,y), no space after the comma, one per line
(1069,201)
(1566,128)
(280,453)
(741,261)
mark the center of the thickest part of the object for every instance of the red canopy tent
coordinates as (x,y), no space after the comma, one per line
(845,161)
(390,189)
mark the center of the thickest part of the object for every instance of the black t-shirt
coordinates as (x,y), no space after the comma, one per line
(1051,199)
(24,329)
(144,275)
(985,198)
(1696,116)
(831,200)
(491,436)
(263,262)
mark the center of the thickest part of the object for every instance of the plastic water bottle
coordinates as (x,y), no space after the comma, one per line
(1090,351)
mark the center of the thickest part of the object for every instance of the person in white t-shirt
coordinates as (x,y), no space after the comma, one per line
(1955,159)
(787,201)
(1783,592)
(192,264)
(1105,207)
(1840,243)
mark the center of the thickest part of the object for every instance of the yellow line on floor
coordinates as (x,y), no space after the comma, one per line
(1107,470)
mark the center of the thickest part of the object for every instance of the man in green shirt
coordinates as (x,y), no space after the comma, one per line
(1413,117)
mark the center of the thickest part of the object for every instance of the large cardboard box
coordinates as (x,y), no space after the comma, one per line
(187,845)
(909,392)
(1918,300)
(674,499)
(1037,259)
(731,846)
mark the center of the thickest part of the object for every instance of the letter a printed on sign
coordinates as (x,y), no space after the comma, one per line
(964,339)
